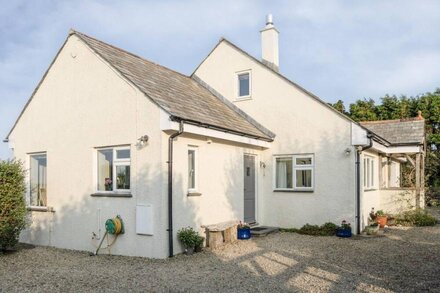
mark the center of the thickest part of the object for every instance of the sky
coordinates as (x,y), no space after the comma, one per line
(336,49)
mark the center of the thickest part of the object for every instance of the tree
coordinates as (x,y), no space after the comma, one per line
(363,110)
(12,203)
(339,105)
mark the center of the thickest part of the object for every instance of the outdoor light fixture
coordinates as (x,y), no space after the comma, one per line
(143,139)
(347,151)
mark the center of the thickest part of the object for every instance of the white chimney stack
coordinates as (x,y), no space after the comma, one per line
(269,44)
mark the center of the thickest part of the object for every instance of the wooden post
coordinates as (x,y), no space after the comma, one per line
(418,181)
(381,181)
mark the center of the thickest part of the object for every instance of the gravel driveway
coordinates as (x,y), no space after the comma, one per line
(405,259)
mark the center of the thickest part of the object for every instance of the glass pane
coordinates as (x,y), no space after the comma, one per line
(191,169)
(243,80)
(284,173)
(105,170)
(372,173)
(38,180)
(303,178)
(122,177)
(123,154)
(368,173)
(303,161)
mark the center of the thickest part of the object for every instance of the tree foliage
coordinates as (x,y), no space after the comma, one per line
(393,107)
(12,202)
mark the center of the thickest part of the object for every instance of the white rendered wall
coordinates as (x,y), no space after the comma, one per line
(83,104)
(302,126)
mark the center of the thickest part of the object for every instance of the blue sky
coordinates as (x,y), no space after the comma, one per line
(335,49)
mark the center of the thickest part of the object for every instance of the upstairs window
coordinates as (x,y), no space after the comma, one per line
(114,169)
(294,172)
(38,180)
(244,84)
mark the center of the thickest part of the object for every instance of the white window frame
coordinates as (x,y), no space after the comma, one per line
(370,172)
(237,82)
(196,169)
(116,162)
(28,183)
(295,167)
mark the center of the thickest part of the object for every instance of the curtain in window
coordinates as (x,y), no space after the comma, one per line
(281,174)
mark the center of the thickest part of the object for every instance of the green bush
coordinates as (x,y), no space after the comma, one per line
(188,237)
(328,229)
(12,202)
(418,217)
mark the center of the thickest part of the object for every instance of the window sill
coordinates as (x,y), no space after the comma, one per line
(40,209)
(111,194)
(370,189)
(244,98)
(193,193)
(294,190)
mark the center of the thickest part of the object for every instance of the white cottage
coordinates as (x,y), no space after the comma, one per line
(109,133)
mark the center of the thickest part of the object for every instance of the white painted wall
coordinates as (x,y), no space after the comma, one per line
(83,104)
(220,182)
(302,125)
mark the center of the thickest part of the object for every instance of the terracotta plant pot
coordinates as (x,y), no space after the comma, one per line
(381,220)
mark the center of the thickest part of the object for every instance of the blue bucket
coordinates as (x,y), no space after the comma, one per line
(244,233)
(344,233)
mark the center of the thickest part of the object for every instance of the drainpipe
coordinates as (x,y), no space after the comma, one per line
(359,150)
(170,188)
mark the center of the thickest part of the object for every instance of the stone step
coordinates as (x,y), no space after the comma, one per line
(263,230)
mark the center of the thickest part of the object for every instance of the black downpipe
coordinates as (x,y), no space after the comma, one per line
(170,188)
(358,182)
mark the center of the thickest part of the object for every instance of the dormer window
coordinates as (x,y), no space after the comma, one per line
(244,85)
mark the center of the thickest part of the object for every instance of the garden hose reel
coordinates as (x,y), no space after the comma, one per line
(114,227)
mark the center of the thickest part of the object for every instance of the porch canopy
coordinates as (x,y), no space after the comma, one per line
(401,140)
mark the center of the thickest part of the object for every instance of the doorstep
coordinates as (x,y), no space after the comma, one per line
(259,231)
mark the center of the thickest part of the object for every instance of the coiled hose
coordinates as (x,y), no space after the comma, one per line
(113,226)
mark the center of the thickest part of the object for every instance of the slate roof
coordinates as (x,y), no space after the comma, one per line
(399,132)
(179,95)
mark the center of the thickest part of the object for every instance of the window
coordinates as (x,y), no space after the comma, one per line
(38,180)
(369,172)
(192,169)
(114,169)
(294,172)
(244,85)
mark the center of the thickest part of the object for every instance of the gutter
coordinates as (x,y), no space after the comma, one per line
(359,151)
(170,187)
(218,128)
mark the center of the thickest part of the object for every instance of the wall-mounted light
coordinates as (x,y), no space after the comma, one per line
(262,165)
(347,151)
(143,140)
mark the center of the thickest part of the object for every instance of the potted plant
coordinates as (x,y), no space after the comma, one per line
(381,218)
(372,229)
(188,237)
(344,230)
(199,243)
(243,231)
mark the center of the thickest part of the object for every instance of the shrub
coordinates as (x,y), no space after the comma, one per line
(418,217)
(12,202)
(328,229)
(188,237)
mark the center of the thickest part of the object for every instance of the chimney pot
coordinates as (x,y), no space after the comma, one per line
(269,19)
